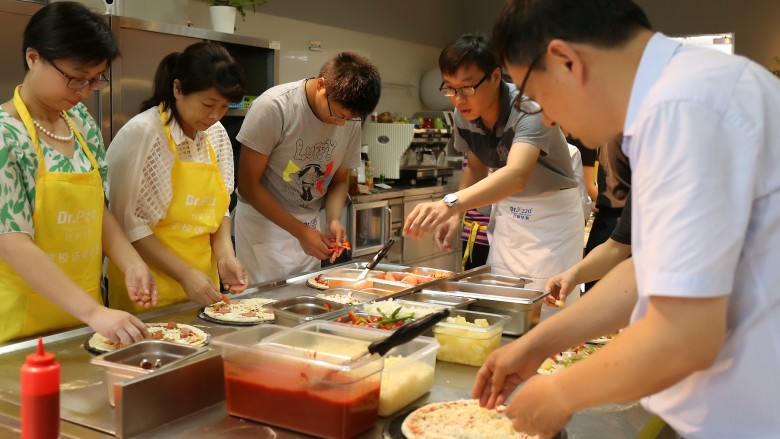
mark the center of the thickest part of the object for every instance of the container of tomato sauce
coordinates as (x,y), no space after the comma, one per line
(302,381)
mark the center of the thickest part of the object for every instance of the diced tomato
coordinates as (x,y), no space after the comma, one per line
(327,306)
(226,299)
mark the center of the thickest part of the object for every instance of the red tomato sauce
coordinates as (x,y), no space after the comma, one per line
(323,412)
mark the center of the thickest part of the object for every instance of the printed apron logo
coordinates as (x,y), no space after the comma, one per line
(521,213)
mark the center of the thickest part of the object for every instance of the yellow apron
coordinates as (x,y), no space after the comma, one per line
(68,223)
(474,228)
(198,204)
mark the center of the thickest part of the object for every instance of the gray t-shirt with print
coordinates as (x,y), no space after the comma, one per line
(304,152)
(553,169)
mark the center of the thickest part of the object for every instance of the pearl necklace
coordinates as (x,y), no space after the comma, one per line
(59,138)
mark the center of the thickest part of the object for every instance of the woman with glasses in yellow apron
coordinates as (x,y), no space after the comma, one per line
(173,168)
(54,226)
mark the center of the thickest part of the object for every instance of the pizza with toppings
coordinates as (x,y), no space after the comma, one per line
(240,311)
(319,282)
(459,419)
(566,358)
(171,331)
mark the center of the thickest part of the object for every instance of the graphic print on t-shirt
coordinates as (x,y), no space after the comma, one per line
(310,170)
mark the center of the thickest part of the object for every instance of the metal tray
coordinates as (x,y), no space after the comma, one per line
(362,296)
(523,306)
(496,280)
(516,298)
(294,311)
(141,358)
(440,299)
(430,272)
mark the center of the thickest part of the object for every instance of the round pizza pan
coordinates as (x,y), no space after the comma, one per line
(203,316)
(91,349)
(393,430)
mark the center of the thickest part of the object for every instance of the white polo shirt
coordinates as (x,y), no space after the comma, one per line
(702,134)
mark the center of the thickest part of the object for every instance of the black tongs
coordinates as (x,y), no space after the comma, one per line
(403,334)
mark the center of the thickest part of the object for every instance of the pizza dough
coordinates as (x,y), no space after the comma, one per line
(172,332)
(241,311)
(459,419)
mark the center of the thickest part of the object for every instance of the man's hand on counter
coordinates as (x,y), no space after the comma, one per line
(538,407)
(425,218)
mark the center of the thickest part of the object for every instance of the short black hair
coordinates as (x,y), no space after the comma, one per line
(69,30)
(468,50)
(525,27)
(200,67)
(353,82)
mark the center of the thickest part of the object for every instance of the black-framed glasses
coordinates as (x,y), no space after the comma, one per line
(330,112)
(468,90)
(528,106)
(79,83)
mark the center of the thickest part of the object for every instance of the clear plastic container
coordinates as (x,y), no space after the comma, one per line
(409,368)
(301,380)
(464,342)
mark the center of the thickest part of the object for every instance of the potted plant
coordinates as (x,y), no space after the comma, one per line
(223,12)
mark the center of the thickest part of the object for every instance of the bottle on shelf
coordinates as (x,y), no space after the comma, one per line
(352,180)
(40,383)
(369,175)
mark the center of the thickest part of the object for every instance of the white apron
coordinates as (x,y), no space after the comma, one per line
(536,237)
(268,251)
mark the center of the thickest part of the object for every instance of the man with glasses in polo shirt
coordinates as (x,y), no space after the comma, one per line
(536,227)
(299,141)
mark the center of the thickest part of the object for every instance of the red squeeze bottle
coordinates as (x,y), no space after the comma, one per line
(40,395)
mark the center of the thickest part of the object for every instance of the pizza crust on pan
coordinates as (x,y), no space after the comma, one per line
(240,311)
(459,419)
(181,333)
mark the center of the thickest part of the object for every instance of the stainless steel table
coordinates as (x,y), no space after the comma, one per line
(86,412)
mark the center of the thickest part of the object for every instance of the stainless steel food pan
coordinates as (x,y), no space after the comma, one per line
(522,305)
(294,311)
(496,280)
(440,299)
(141,358)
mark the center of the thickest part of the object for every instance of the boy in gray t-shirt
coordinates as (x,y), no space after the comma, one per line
(299,141)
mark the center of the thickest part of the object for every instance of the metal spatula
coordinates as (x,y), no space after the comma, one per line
(378,257)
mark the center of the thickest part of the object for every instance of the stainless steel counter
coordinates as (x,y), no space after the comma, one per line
(403,191)
(86,413)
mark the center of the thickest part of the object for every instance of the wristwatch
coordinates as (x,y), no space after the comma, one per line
(450,199)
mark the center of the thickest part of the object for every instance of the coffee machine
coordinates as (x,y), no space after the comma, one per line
(412,153)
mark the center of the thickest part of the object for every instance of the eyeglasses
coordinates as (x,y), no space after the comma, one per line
(468,90)
(79,83)
(348,119)
(528,106)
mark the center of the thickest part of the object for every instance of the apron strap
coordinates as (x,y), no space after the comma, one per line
(475,229)
(24,114)
(172,144)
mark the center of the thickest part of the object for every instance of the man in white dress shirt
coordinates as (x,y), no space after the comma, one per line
(699,298)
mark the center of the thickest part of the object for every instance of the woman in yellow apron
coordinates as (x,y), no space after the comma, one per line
(54,227)
(171,175)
